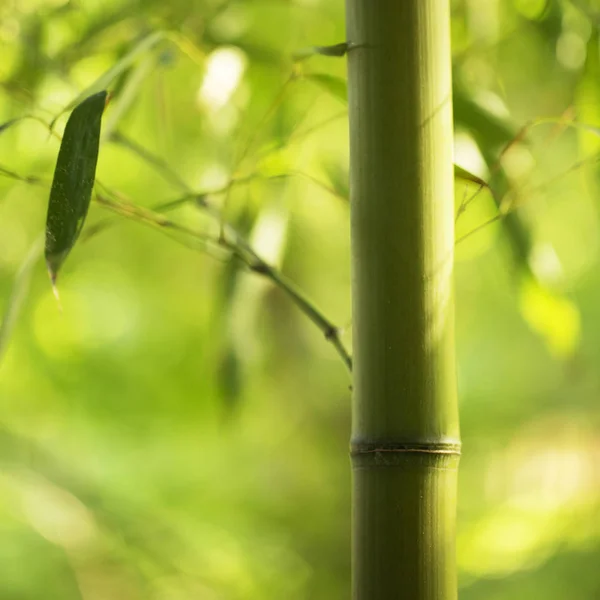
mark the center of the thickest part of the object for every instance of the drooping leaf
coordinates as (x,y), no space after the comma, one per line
(333,85)
(73,181)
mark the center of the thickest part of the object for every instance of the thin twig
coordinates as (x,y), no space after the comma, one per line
(31,179)
(255,133)
(238,247)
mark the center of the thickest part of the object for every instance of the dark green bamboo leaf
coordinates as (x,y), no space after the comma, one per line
(492,134)
(488,129)
(334,85)
(73,180)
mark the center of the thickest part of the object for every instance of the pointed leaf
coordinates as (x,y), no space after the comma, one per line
(73,180)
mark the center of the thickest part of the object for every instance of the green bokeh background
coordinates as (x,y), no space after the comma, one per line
(181,430)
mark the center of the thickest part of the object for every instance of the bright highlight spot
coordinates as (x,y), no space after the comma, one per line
(57,515)
(468,156)
(224,70)
(570,50)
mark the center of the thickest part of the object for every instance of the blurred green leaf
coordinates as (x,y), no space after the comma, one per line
(143,46)
(230,378)
(333,85)
(128,91)
(555,318)
(587,97)
(30,71)
(74,177)
(488,129)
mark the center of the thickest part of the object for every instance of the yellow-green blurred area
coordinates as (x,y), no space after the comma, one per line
(180,429)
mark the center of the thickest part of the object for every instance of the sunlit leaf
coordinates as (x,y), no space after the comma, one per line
(555,318)
(73,180)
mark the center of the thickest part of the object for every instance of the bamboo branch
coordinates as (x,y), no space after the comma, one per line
(240,249)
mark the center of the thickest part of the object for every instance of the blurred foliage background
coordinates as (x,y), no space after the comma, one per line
(180,430)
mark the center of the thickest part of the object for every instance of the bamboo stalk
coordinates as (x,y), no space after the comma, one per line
(405,434)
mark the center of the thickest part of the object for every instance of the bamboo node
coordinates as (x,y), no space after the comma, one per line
(358,449)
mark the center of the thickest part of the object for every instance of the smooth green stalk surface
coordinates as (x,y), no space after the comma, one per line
(405,438)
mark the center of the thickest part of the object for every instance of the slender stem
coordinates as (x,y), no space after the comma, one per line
(24,178)
(232,241)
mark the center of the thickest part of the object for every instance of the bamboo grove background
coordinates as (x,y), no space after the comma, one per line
(181,428)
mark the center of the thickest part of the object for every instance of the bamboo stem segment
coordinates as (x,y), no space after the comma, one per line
(405,433)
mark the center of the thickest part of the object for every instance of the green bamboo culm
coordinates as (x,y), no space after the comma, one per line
(405,434)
